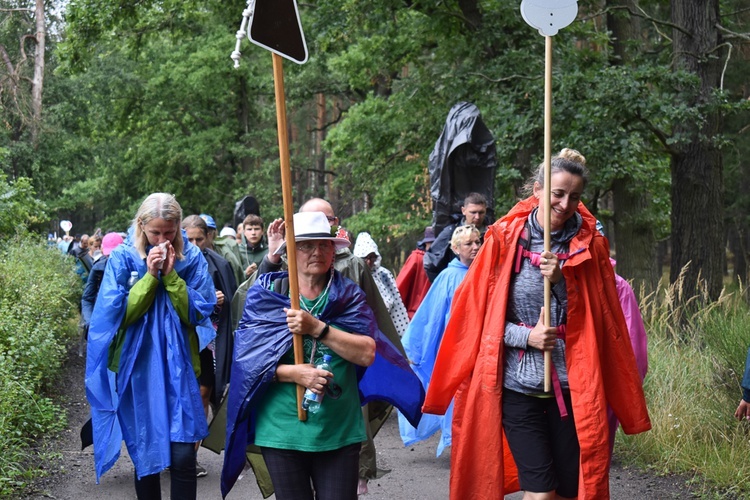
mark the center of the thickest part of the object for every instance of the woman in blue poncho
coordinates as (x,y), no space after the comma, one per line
(142,364)
(422,338)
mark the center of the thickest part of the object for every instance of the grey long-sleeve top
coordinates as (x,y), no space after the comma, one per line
(524,365)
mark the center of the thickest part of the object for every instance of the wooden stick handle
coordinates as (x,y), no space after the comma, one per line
(286,193)
(547,202)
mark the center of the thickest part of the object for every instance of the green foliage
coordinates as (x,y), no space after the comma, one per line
(38,295)
(142,97)
(19,208)
(692,389)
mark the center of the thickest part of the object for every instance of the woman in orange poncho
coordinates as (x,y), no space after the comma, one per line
(493,347)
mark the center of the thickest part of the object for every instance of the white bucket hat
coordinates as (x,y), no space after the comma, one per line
(228,231)
(315,226)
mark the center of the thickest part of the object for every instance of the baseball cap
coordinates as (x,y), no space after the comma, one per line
(209,221)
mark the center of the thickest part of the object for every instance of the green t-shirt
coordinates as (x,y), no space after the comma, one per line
(339,421)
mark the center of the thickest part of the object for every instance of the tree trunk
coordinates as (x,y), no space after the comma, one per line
(696,165)
(636,241)
(320,135)
(637,257)
(243,119)
(38,83)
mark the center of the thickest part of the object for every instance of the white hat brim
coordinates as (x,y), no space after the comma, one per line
(339,243)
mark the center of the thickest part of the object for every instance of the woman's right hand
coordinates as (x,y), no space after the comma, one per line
(542,337)
(158,257)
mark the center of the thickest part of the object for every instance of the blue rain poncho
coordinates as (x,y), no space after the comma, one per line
(421,342)
(262,339)
(154,398)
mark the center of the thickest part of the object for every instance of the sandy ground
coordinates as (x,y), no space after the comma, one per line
(416,473)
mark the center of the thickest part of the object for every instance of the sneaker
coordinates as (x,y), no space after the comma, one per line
(200,471)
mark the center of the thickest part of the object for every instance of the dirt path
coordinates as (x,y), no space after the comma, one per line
(416,473)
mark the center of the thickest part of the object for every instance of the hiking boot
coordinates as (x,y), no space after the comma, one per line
(200,471)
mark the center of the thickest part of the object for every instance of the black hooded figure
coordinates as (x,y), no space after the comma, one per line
(463,161)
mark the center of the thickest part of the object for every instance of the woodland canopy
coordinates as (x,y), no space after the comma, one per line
(104,102)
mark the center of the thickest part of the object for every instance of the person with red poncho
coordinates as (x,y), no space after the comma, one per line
(508,433)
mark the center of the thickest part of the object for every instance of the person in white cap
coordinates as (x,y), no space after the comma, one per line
(366,249)
(228,231)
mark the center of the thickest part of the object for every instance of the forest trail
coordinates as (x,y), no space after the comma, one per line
(415,472)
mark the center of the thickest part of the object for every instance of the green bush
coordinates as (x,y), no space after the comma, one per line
(19,207)
(39,296)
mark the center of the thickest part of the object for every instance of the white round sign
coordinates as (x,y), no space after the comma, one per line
(549,16)
(66,225)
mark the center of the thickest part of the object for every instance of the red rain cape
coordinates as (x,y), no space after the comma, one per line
(412,282)
(600,362)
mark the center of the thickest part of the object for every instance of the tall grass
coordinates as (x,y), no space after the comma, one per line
(697,351)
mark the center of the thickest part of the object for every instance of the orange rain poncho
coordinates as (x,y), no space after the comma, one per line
(599,357)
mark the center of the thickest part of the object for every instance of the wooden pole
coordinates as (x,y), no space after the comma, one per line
(547,202)
(286,193)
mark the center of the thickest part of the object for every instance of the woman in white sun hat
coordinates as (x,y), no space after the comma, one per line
(323,451)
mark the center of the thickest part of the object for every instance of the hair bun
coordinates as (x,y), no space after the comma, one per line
(572,155)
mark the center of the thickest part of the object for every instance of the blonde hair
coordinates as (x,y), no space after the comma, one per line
(567,160)
(157,206)
(460,232)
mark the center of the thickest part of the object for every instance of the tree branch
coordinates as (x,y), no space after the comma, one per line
(505,79)
(660,135)
(732,34)
(637,14)
(322,171)
(17,10)
(729,14)
(7,61)
(22,48)
(330,123)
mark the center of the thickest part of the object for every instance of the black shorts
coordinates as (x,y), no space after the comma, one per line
(544,447)
(207,377)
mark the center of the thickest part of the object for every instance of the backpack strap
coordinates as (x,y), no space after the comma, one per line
(524,243)
(281,285)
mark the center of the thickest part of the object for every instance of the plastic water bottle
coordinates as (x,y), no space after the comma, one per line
(133,279)
(311,402)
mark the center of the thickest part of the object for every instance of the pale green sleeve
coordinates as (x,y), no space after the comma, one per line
(178,294)
(140,298)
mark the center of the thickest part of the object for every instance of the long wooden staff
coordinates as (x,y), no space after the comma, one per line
(548,17)
(286,193)
(547,202)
